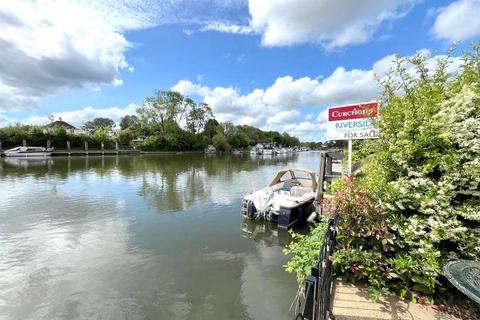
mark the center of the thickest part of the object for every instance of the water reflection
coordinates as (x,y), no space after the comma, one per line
(150,237)
(170,183)
(265,232)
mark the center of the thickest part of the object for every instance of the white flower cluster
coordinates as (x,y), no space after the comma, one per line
(439,203)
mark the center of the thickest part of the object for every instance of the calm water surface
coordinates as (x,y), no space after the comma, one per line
(145,237)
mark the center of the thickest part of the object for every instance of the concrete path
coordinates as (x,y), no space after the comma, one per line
(351,303)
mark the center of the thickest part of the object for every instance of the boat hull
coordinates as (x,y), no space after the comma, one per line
(28,154)
(285,217)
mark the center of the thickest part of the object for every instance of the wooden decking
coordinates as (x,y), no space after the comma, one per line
(351,302)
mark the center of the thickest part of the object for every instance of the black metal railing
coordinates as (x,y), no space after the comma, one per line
(317,304)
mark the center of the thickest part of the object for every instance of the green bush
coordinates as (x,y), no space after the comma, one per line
(304,251)
(424,171)
(220,142)
(152,143)
(417,204)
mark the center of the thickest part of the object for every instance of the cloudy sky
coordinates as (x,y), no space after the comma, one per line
(274,64)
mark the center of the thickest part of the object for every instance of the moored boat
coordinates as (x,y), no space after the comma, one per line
(28,152)
(287,200)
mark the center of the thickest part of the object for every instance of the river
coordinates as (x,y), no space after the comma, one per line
(140,237)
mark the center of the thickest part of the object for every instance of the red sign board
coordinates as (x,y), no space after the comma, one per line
(355,111)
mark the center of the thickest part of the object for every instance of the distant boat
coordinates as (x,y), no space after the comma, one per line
(28,152)
(268,151)
(210,149)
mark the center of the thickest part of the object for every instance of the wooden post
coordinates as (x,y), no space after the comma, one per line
(321,179)
(86,147)
(0,144)
(24,142)
(116,145)
(68,146)
(102,145)
(49,144)
(328,169)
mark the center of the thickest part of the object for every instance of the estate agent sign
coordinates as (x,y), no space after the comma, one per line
(352,122)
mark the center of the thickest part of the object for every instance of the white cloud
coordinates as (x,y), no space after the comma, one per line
(284,117)
(227,28)
(331,23)
(458,21)
(48,46)
(186,87)
(80,116)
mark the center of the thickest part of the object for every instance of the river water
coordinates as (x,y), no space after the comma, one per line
(140,237)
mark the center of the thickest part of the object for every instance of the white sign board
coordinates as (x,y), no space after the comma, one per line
(352,122)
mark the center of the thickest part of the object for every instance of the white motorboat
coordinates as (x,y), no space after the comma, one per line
(210,149)
(28,152)
(287,200)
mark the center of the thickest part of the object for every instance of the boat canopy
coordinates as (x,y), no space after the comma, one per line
(304,177)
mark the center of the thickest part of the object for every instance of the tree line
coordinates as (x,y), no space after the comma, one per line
(166,121)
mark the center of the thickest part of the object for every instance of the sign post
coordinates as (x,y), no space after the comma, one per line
(352,122)
(349,157)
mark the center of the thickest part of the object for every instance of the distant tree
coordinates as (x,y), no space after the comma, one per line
(210,128)
(124,137)
(129,122)
(105,124)
(198,116)
(163,110)
(220,142)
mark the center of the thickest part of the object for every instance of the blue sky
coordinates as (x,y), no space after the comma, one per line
(274,64)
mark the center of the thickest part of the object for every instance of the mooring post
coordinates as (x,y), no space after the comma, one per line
(68,147)
(102,145)
(49,143)
(328,168)
(24,142)
(116,146)
(321,179)
(86,148)
(0,144)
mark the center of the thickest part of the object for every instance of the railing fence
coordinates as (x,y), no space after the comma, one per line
(317,304)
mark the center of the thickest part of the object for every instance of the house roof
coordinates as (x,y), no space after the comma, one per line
(61,123)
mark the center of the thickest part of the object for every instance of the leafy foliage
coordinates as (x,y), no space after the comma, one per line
(424,172)
(305,250)
(96,124)
(167,121)
(417,203)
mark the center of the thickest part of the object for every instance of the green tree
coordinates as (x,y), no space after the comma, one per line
(99,124)
(125,136)
(198,116)
(131,122)
(220,142)
(164,110)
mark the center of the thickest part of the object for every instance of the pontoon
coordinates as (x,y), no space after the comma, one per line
(287,200)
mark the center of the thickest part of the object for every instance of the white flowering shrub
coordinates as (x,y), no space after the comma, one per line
(417,204)
(424,171)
